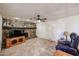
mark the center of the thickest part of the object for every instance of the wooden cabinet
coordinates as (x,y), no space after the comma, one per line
(15,41)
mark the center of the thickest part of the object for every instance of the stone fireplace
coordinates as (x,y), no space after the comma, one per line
(8,25)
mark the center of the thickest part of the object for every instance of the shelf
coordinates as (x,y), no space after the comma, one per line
(6,27)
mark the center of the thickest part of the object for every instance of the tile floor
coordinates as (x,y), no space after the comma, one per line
(32,47)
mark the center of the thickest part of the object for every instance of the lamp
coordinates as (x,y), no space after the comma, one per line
(66,35)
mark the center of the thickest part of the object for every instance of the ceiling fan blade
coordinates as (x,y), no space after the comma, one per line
(44,19)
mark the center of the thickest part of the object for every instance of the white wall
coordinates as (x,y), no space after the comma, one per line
(54,29)
(0,31)
(42,29)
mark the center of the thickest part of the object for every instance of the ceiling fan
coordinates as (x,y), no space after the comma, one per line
(38,19)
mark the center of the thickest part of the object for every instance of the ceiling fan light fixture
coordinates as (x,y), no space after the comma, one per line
(38,20)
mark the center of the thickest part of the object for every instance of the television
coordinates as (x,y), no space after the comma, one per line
(16,33)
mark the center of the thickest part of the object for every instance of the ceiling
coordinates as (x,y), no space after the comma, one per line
(49,10)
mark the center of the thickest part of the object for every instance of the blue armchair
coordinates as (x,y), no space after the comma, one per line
(71,47)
